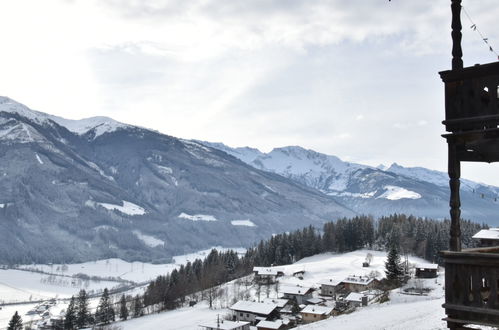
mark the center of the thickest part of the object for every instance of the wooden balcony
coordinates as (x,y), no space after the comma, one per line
(472,287)
(472,111)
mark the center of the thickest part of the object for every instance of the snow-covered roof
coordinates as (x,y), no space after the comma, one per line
(354,296)
(270,324)
(315,300)
(427,266)
(224,325)
(254,307)
(267,271)
(492,233)
(319,310)
(279,302)
(296,290)
(330,282)
(364,280)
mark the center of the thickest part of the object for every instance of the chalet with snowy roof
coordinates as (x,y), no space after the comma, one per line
(426,270)
(225,325)
(298,293)
(312,313)
(330,287)
(253,312)
(356,299)
(359,283)
(488,237)
(273,325)
(267,275)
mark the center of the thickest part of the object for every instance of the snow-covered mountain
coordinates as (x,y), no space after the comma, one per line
(369,190)
(95,188)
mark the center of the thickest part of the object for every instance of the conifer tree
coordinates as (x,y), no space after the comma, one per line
(82,312)
(16,322)
(105,312)
(137,307)
(70,317)
(394,271)
(123,308)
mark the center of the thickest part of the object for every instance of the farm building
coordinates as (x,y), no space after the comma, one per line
(253,311)
(356,299)
(329,287)
(426,270)
(359,283)
(312,313)
(267,274)
(298,293)
(488,237)
(272,325)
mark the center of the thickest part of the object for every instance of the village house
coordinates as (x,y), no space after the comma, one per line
(359,283)
(488,237)
(356,299)
(225,325)
(253,312)
(298,293)
(312,313)
(426,270)
(273,325)
(329,287)
(267,275)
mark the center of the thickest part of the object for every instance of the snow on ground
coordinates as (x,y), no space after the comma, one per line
(417,315)
(39,159)
(247,223)
(187,318)
(197,217)
(6,313)
(395,193)
(18,285)
(126,208)
(131,271)
(148,240)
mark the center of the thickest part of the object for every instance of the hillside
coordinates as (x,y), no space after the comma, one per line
(93,189)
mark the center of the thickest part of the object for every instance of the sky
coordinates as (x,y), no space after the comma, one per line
(353,78)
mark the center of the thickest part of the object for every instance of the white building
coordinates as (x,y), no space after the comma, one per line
(253,311)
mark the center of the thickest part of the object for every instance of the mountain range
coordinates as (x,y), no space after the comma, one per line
(370,190)
(79,190)
(95,188)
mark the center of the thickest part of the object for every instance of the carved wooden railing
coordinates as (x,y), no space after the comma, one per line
(472,286)
(471,98)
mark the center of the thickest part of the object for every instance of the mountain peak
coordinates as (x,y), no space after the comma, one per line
(99,124)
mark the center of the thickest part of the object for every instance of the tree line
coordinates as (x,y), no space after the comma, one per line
(418,236)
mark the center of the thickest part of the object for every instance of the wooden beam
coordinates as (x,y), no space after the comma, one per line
(457,52)
(455,200)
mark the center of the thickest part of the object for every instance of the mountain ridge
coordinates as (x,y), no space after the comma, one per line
(75,197)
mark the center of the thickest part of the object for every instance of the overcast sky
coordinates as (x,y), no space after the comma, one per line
(352,78)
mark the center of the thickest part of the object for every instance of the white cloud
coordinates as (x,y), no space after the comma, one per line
(330,75)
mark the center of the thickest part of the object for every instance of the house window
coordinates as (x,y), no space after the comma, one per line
(241,314)
(247,314)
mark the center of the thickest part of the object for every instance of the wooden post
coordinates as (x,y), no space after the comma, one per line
(457,52)
(455,200)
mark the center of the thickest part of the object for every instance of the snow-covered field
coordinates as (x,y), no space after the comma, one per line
(18,285)
(131,271)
